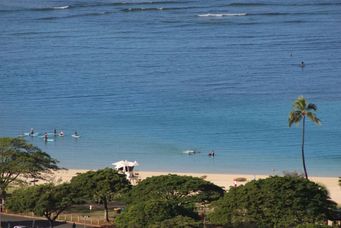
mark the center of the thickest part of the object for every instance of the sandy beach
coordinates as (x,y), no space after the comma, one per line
(220,179)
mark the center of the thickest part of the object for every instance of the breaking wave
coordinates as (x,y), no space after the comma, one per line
(283,3)
(246,4)
(76,15)
(221,14)
(139,9)
(97,4)
(60,7)
(142,9)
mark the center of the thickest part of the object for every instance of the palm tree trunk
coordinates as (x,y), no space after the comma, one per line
(303,159)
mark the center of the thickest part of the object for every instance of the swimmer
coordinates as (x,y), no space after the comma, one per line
(46,136)
(302,64)
(31,132)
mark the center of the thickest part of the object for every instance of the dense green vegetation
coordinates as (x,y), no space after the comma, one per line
(300,110)
(44,200)
(183,189)
(274,202)
(153,213)
(101,186)
(18,158)
(167,201)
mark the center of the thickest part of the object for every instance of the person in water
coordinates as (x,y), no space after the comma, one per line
(32,131)
(55,131)
(302,64)
(46,136)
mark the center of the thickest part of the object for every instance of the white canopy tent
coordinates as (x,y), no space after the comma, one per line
(125,166)
(124,163)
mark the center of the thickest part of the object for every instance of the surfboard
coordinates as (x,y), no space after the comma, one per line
(49,140)
(33,135)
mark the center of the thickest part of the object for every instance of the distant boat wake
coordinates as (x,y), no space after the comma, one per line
(221,14)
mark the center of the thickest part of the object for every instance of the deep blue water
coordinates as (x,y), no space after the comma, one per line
(146,80)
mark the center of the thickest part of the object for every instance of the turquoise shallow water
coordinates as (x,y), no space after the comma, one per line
(143,80)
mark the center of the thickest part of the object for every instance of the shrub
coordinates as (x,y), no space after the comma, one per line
(149,213)
(275,201)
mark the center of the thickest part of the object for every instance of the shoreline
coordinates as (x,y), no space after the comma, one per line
(274,172)
(224,180)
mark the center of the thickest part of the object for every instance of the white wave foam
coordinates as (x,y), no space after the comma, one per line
(143,9)
(221,14)
(60,7)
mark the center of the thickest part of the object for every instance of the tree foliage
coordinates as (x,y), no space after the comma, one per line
(309,225)
(167,201)
(183,189)
(18,158)
(45,200)
(274,202)
(178,221)
(101,186)
(300,109)
(153,213)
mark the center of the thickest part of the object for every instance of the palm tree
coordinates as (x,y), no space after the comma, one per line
(300,110)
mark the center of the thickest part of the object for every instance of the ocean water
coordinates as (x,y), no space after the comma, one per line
(145,80)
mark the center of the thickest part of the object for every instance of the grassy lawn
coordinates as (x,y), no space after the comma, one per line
(81,213)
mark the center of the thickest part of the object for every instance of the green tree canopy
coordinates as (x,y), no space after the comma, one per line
(167,201)
(44,200)
(274,202)
(18,158)
(183,189)
(102,186)
(153,212)
(178,221)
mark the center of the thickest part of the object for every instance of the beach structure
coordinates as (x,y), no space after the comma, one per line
(127,167)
